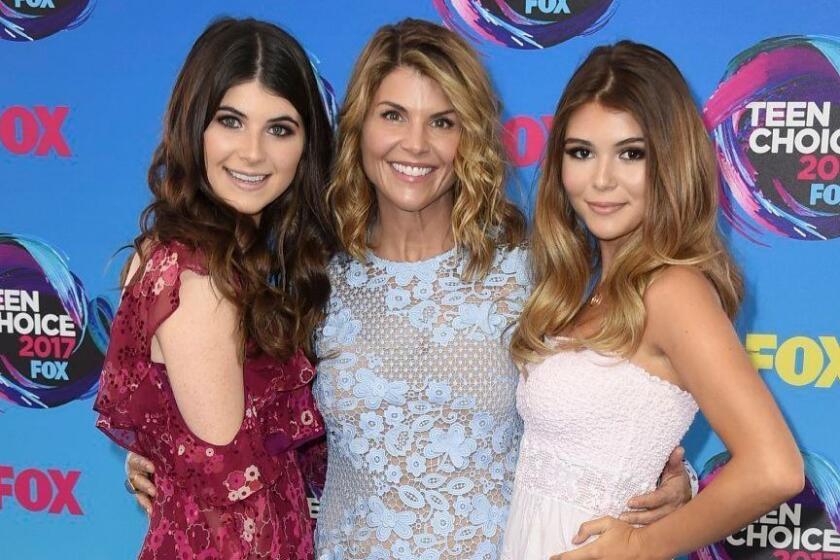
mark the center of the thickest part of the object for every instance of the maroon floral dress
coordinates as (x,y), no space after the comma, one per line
(243,500)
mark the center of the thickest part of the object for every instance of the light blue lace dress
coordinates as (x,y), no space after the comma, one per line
(417,389)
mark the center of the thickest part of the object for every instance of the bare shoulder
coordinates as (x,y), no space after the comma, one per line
(199,293)
(681,301)
(679,286)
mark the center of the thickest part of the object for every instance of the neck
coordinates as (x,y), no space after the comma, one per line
(412,236)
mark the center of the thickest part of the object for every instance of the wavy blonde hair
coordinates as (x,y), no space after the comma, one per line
(680,223)
(482,216)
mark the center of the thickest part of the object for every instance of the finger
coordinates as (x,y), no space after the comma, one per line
(144,503)
(594,527)
(143,464)
(138,463)
(646,517)
(676,457)
(142,484)
(587,552)
(652,500)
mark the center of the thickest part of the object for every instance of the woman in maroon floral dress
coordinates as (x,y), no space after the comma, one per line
(208,372)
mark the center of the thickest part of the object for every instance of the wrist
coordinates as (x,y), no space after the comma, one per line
(646,545)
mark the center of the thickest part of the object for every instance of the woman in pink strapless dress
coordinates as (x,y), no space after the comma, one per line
(627,331)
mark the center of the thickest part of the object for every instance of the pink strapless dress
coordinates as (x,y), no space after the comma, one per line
(598,431)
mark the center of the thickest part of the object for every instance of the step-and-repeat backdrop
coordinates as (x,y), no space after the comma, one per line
(84,86)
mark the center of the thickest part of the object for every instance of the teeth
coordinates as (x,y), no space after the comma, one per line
(411,170)
(247,178)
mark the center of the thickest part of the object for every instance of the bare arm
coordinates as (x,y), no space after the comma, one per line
(766,466)
(201,348)
(199,345)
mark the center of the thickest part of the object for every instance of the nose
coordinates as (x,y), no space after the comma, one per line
(251,147)
(604,174)
(415,139)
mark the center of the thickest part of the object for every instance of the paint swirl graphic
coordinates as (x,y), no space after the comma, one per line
(775,120)
(525,24)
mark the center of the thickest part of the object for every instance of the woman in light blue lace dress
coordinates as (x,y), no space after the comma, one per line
(416,383)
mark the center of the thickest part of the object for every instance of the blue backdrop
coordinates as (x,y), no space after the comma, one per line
(84,87)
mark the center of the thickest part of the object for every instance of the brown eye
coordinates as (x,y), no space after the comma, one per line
(391,115)
(579,153)
(633,154)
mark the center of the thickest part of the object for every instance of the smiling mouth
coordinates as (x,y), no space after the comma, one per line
(247,180)
(411,171)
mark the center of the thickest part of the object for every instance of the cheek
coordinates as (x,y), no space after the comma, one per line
(374,147)
(220,144)
(574,178)
(636,182)
(288,156)
(447,149)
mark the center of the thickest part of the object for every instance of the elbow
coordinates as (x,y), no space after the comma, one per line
(788,478)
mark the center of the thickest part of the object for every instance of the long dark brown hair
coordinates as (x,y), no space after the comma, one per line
(273,272)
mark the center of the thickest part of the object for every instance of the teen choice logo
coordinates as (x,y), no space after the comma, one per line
(30,20)
(525,24)
(52,338)
(802,528)
(775,120)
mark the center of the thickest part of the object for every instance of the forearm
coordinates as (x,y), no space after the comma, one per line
(739,494)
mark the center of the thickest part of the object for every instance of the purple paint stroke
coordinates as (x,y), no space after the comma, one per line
(514,30)
(786,68)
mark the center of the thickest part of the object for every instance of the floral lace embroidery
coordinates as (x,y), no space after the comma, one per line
(418,393)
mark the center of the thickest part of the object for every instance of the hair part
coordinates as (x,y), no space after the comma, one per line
(482,217)
(273,272)
(680,222)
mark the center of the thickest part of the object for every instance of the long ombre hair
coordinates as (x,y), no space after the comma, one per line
(482,216)
(679,226)
(273,272)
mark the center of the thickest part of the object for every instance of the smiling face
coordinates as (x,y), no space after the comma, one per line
(409,141)
(252,147)
(605,171)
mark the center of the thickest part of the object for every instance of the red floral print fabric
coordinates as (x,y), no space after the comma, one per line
(243,500)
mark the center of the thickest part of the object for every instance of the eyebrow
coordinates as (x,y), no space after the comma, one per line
(581,141)
(399,107)
(278,119)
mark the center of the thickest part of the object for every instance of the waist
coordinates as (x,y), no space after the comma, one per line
(602,486)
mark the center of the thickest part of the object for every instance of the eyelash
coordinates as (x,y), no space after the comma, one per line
(630,154)
(229,121)
(443,123)
(394,116)
(639,154)
(576,152)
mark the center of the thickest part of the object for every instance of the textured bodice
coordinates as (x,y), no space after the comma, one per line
(417,390)
(598,429)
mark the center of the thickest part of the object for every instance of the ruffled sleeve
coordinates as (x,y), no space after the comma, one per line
(137,408)
(280,416)
(129,387)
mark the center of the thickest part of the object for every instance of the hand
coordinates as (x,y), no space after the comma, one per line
(674,490)
(618,541)
(139,472)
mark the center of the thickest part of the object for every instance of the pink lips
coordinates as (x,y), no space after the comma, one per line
(605,208)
